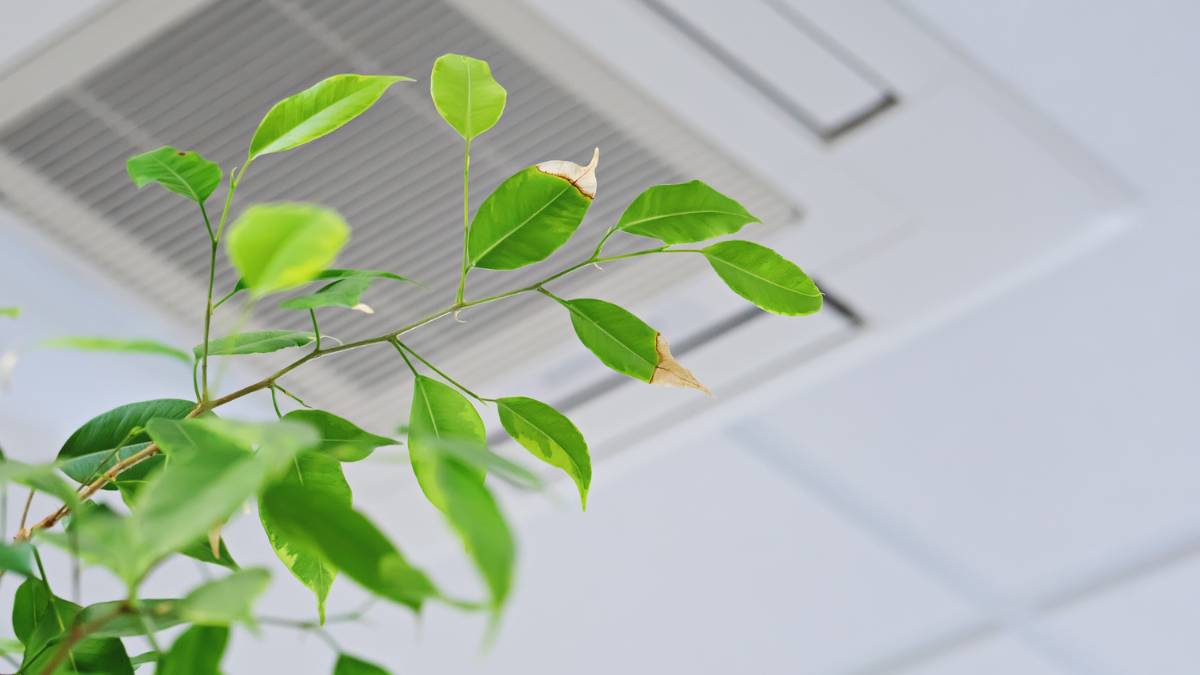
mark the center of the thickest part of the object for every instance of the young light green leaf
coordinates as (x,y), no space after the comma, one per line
(274,444)
(127,623)
(475,454)
(317,111)
(683,213)
(764,277)
(106,344)
(348,541)
(40,477)
(473,514)
(627,344)
(10,312)
(550,436)
(17,558)
(341,293)
(197,651)
(466,95)
(314,472)
(340,438)
(254,342)
(439,413)
(182,172)
(349,665)
(225,601)
(280,246)
(531,214)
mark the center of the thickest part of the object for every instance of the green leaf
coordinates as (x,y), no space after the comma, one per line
(225,601)
(473,514)
(348,541)
(475,454)
(105,344)
(341,293)
(315,472)
(627,344)
(439,413)
(10,312)
(255,342)
(348,665)
(529,216)
(275,444)
(40,477)
(280,246)
(682,213)
(340,438)
(317,111)
(160,612)
(550,436)
(197,651)
(764,277)
(41,619)
(17,558)
(85,452)
(466,95)
(182,172)
(201,550)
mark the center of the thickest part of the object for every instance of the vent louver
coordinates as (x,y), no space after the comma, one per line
(394,174)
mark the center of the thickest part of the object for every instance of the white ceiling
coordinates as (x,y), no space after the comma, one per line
(1014,493)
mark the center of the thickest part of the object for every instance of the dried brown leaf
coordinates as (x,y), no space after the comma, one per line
(582,177)
(671,373)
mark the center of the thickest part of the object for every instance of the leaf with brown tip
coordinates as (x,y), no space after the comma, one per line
(671,373)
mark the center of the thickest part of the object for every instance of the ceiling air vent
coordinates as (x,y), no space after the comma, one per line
(206,80)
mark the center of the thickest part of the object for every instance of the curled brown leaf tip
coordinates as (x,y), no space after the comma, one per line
(582,177)
(671,373)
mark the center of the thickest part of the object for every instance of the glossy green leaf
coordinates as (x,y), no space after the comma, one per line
(255,342)
(764,277)
(90,449)
(439,413)
(225,601)
(682,213)
(31,607)
(317,111)
(349,665)
(348,541)
(340,438)
(627,344)
(529,216)
(466,95)
(40,477)
(619,339)
(197,651)
(10,312)
(550,436)
(280,246)
(315,472)
(105,344)
(17,558)
(182,172)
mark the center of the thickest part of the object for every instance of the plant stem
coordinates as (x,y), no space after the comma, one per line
(205,405)
(275,403)
(208,313)
(403,348)
(462,277)
(312,313)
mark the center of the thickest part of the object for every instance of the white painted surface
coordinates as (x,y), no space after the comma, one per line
(934,499)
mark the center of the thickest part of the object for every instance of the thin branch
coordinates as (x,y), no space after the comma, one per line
(403,347)
(312,313)
(466,266)
(205,405)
